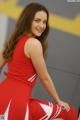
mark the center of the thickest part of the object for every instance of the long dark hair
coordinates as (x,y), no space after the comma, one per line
(23,26)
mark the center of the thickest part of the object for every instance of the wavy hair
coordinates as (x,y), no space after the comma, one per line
(23,26)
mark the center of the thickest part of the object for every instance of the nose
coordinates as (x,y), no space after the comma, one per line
(42,26)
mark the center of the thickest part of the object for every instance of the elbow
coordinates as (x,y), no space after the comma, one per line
(44,77)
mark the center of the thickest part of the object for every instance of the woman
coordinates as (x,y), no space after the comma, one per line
(24,53)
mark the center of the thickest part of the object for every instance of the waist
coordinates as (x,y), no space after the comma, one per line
(18,88)
(30,80)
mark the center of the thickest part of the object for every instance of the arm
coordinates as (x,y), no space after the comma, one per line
(2,60)
(33,49)
(36,55)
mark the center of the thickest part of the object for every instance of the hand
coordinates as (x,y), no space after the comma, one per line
(64,105)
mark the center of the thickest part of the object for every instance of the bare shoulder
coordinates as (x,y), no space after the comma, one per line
(33,42)
(32,46)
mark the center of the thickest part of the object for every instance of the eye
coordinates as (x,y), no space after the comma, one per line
(37,20)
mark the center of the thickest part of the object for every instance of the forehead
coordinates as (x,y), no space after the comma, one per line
(41,14)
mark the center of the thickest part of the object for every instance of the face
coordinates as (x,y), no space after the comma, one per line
(39,23)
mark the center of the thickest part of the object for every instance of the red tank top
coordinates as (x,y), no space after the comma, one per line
(20,67)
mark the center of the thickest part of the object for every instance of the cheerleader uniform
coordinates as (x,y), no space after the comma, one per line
(15,92)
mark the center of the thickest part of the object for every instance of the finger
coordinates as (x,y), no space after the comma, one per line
(67,108)
(63,107)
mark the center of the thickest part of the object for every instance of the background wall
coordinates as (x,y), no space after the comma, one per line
(63,60)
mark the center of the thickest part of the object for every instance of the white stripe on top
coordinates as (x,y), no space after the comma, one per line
(32,78)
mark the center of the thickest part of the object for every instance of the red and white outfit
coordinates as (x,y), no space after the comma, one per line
(15,92)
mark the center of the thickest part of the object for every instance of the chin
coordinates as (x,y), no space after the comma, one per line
(38,34)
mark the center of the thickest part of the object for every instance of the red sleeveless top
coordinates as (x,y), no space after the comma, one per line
(20,67)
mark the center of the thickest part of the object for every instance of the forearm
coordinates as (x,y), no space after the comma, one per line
(49,86)
(2,62)
(2,59)
(1,65)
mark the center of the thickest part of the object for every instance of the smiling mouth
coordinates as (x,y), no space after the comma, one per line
(40,31)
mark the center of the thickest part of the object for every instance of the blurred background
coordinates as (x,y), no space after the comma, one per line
(63,59)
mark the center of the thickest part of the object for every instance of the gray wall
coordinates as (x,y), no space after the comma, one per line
(63,60)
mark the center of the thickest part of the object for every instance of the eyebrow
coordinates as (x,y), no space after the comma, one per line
(40,19)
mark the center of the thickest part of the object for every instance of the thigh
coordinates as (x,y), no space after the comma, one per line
(45,110)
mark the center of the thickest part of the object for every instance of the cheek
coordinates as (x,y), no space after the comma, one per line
(32,28)
(44,27)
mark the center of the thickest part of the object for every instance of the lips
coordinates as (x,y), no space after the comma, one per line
(39,30)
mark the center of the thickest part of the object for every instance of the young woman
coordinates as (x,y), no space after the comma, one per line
(24,53)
